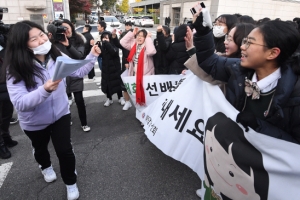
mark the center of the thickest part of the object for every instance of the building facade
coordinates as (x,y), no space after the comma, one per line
(40,11)
(179,10)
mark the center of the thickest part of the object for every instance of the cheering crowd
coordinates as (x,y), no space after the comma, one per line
(255,64)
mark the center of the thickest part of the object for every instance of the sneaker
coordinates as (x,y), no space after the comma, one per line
(4,152)
(72,192)
(14,120)
(9,142)
(49,174)
(86,128)
(98,84)
(70,102)
(198,192)
(108,102)
(127,105)
(122,101)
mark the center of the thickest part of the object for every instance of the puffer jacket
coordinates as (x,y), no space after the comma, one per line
(162,45)
(111,68)
(283,119)
(177,54)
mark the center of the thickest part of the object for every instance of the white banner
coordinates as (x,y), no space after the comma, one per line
(154,86)
(195,125)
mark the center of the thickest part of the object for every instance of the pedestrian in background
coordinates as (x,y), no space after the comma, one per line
(73,46)
(177,54)
(125,65)
(140,60)
(86,32)
(111,69)
(101,29)
(6,112)
(162,44)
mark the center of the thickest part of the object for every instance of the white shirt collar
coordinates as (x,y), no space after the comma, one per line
(268,83)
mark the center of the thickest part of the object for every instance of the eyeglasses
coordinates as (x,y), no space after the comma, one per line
(247,43)
(228,39)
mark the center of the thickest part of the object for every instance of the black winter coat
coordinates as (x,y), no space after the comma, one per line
(162,45)
(75,51)
(111,68)
(177,54)
(219,44)
(125,52)
(283,119)
(87,47)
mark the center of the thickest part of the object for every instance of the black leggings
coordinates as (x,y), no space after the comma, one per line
(78,96)
(60,134)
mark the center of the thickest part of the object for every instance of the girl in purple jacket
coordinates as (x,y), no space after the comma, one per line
(41,103)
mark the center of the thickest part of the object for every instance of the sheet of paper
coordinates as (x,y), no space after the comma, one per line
(65,66)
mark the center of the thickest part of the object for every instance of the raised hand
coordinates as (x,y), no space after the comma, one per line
(189,38)
(135,30)
(159,28)
(96,51)
(92,42)
(149,34)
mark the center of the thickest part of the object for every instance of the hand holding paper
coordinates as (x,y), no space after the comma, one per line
(65,66)
(50,85)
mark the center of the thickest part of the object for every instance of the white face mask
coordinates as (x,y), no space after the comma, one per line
(42,49)
(218,31)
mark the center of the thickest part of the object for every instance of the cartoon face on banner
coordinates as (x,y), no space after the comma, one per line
(233,167)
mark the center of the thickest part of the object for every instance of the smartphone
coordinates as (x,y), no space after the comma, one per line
(97,43)
(196,8)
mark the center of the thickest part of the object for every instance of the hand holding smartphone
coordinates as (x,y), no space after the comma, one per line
(196,8)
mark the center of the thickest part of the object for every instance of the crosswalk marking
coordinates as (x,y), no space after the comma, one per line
(4,169)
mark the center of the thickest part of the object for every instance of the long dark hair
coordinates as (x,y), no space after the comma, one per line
(229,20)
(19,59)
(242,30)
(76,39)
(286,37)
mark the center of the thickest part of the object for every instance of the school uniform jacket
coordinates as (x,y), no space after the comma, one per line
(283,118)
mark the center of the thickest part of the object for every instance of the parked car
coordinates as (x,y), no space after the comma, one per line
(131,19)
(145,21)
(111,21)
(94,31)
(136,21)
(93,19)
(122,20)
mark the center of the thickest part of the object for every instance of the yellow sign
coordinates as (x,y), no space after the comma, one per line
(57,0)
